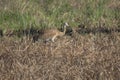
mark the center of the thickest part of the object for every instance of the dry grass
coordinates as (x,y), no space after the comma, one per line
(81,57)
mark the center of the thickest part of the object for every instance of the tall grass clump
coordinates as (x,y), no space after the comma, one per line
(52,13)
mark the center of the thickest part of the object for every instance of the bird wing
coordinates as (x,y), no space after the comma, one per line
(49,33)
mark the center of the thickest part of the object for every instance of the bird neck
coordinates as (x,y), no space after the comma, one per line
(64,29)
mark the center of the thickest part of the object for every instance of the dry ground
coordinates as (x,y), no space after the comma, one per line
(81,57)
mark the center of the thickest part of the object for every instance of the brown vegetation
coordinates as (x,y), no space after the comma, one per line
(84,57)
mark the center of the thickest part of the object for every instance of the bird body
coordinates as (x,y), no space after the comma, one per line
(52,34)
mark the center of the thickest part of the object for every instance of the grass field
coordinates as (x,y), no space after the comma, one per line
(52,13)
(91,54)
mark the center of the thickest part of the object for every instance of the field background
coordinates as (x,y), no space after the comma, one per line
(82,56)
(51,13)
